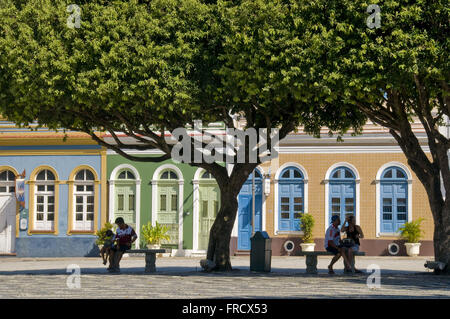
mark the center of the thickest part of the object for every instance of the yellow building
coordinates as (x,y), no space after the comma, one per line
(367,176)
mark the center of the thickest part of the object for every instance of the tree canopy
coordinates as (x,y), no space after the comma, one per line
(146,67)
(396,73)
(161,62)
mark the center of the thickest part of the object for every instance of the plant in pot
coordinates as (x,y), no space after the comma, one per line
(101,234)
(307,225)
(153,235)
(412,232)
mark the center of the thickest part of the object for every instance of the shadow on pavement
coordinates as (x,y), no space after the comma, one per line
(197,271)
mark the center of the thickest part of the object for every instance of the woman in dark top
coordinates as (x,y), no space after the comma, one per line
(353,232)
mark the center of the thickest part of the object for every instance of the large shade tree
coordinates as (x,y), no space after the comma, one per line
(148,67)
(395,72)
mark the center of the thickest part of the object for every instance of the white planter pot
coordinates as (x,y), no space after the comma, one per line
(308,247)
(412,249)
(153,246)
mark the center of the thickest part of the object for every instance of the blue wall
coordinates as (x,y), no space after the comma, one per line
(56,246)
(60,245)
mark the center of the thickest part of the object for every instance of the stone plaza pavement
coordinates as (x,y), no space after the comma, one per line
(180,277)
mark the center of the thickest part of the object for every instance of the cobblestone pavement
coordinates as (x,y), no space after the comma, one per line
(182,278)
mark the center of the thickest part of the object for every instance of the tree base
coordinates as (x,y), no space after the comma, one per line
(207,265)
(439,268)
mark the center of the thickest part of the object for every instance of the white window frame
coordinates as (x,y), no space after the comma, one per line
(276,180)
(112,185)
(83,225)
(44,224)
(155,180)
(378,196)
(327,191)
(8,183)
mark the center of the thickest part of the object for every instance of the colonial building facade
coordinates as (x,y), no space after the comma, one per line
(74,186)
(366,176)
(65,198)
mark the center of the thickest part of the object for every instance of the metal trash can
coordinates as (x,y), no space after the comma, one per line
(261,252)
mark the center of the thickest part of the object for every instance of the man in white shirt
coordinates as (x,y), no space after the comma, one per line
(125,236)
(333,244)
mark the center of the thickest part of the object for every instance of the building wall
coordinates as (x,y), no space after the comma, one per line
(316,166)
(60,243)
(146,171)
(367,165)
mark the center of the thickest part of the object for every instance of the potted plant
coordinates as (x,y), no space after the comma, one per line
(412,232)
(101,234)
(307,225)
(153,235)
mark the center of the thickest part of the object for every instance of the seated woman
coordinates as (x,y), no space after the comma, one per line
(353,232)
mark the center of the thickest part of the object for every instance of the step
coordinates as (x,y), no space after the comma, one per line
(242,253)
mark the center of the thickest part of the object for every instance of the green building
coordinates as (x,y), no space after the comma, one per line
(184,198)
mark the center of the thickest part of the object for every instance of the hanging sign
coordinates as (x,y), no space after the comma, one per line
(20,189)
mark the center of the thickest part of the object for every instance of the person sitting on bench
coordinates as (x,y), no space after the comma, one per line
(354,233)
(125,235)
(333,244)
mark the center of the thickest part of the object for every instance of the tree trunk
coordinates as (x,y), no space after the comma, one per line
(429,175)
(220,234)
(442,236)
(440,210)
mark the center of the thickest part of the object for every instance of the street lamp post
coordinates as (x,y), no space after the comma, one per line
(253,203)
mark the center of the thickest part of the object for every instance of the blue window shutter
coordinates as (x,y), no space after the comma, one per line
(342,193)
(284,206)
(290,199)
(387,208)
(296,192)
(400,202)
(394,200)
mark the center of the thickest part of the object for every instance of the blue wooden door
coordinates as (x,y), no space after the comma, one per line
(290,206)
(394,199)
(342,199)
(394,206)
(245,212)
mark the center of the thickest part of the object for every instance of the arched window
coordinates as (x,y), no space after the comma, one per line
(125,199)
(257,175)
(342,197)
(84,201)
(394,199)
(169,175)
(291,199)
(168,205)
(247,220)
(208,206)
(44,201)
(7,181)
(126,174)
(207,175)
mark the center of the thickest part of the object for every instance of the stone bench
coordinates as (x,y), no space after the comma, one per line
(311,259)
(150,257)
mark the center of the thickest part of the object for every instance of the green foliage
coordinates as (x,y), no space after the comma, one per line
(379,69)
(307,225)
(128,57)
(164,63)
(411,231)
(269,60)
(153,235)
(138,65)
(101,233)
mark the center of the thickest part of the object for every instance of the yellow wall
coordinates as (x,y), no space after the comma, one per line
(368,164)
